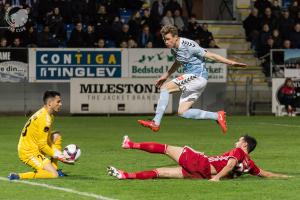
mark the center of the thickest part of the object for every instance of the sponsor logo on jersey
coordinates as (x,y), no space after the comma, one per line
(181,80)
(187,43)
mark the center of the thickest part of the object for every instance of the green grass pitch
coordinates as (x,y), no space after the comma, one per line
(100,138)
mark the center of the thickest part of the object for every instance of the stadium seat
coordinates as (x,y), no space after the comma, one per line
(84,27)
(39,28)
(110,44)
(286,3)
(69,28)
(62,45)
(125,15)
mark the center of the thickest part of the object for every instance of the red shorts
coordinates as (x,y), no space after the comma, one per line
(194,164)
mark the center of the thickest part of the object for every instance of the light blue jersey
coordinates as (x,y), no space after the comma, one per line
(191,57)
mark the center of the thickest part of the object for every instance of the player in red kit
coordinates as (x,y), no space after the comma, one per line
(194,164)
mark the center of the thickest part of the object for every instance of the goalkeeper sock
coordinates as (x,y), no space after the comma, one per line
(199,114)
(56,145)
(161,105)
(150,147)
(141,175)
(39,174)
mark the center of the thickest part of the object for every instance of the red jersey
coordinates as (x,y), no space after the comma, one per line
(287,90)
(244,163)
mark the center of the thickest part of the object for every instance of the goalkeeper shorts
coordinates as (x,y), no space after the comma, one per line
(36,161)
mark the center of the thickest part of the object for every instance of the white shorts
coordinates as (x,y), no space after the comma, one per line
(191,86)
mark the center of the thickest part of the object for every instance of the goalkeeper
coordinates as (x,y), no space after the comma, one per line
(37,141)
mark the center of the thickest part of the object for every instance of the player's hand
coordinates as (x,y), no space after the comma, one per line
(161,81)
(65,160)
(60,156)
(238,64)
(286,176)
(214,179)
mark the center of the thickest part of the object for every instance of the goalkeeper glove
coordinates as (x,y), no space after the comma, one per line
(60,156)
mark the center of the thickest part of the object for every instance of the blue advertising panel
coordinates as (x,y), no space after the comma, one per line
(63,64)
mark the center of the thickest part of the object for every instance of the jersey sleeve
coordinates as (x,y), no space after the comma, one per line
(237,154)
(196,50)
(44,128)
(254,170)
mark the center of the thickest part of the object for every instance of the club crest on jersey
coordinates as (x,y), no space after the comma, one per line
(46,129)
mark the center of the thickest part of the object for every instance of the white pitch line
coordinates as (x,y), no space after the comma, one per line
(285,125)
(87,194)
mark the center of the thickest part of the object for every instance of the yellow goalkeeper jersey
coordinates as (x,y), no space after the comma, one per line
(34,136)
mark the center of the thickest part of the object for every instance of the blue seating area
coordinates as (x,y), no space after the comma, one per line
(125,15)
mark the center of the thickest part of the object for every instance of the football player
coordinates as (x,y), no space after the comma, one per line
(38,140)
(194,164)
(192,83)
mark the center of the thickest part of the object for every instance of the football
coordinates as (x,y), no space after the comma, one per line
(72,152)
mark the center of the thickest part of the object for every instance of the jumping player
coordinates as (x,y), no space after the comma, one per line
(192,83)
(37,141)
(194,164)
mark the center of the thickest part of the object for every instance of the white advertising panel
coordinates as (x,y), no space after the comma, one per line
(292,63)
(154,62)
(277,83)
(107,95)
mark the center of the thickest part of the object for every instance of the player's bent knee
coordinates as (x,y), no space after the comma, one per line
(55,174)
(170,87)
(164,88)
(50,169)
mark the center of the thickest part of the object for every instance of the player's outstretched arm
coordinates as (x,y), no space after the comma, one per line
(218,58)
(46,149)
(225,171)
(266,174)
(166,75)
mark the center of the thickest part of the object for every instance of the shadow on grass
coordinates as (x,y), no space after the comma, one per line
(81,177)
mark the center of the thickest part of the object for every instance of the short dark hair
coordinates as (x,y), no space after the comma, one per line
(50,94)
(251,141)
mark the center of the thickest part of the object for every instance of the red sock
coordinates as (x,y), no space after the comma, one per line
(150,147)
(142,175)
